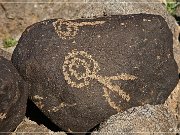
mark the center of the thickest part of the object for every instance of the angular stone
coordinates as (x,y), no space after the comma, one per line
(30,127)
(13,97)
(83,71)
(142,120)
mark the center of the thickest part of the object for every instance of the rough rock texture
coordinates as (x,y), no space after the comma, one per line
(13,97)
(173,102)
(23,14)
(144,120)
(83,71)
(5,54)
(29,127)
(16,17)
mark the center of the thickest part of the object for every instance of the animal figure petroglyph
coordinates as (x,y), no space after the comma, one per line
(80,68)
(69,29)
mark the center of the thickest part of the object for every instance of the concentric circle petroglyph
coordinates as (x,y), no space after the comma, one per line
(65,29)
(80,69)
(75,60)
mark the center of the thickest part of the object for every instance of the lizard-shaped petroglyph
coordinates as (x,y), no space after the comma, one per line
(68,29)
(80,68)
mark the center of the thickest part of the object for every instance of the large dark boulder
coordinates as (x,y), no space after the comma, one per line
(83,71)
(13,96)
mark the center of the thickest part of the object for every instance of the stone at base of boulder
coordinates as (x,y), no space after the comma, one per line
(30,127)
(146,120)
(172,102)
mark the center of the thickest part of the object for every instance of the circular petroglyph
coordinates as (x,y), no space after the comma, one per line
(65,28)
(80,68)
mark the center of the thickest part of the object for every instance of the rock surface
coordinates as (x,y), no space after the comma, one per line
(5,54)
(29,127)
(144,120)
(77,79)
(173,102)
(16,17)
(13,97)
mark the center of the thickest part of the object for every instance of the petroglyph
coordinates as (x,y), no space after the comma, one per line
(62,105)
(68,29)
(38,97)
(2,116)
(80,68)
(72,61)
(38,101)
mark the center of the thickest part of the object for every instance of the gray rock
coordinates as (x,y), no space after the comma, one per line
(172,103)
(144,120)
(83,71)
(13,97)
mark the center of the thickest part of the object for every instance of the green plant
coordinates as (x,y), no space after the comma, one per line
(9,42)
(171,6)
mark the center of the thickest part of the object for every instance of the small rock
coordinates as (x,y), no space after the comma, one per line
(83,71)
(13,96)
(143,120)
(30,127)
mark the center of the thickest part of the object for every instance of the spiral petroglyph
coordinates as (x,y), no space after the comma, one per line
(80,68)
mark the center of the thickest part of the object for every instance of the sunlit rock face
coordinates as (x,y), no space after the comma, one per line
(80,72)
(147,120)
